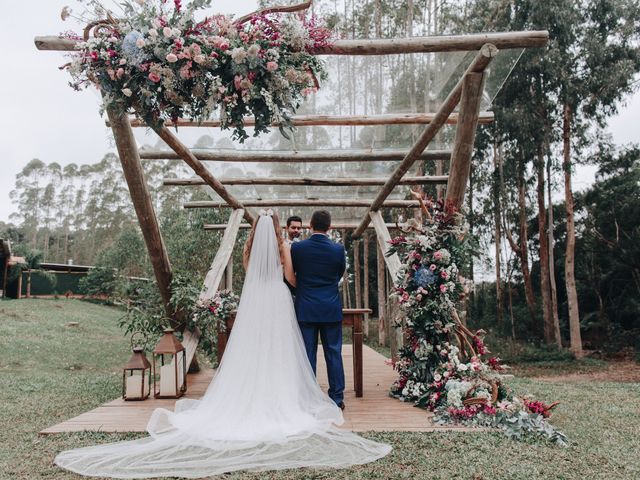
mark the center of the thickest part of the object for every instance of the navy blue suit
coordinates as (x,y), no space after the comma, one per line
(319,264)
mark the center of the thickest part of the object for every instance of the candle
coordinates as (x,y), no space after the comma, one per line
(133,386)
(168,380)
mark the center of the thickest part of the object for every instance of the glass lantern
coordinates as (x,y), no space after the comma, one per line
(169,367)
(136,376)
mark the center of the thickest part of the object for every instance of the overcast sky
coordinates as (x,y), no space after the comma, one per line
(42,117)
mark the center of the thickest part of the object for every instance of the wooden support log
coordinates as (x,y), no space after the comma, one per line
(214,277)
(444,43)
(336,226)
(383,237)
(142,203)
(315,156)
(304,203)
(382,297)
(356,271)
(365,287)
(460,168)
(304,181)
(331,120)
(203,172)
(478,65)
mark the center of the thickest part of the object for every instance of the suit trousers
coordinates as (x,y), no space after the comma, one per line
(331,336)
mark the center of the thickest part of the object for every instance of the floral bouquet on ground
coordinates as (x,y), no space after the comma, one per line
(162,64)
(444,366)
(210,316)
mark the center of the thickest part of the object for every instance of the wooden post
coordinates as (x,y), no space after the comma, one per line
(382,297)
(365,293)
(479,64)
(383,237)
(19,286)
(29,283)
(356,270)
(460,169)
(142,202)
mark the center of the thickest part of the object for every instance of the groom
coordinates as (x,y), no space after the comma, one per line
(319,264)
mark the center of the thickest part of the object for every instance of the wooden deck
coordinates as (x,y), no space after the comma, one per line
(375,411)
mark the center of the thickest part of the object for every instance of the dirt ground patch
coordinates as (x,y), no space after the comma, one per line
(618,371)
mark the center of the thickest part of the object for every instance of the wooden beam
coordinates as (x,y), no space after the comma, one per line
(365,286)
(382,297)
(142,203)
(383,237)
(479,63)
(357,273)
(214,277)
(313,156)
(443,43)
(304,181)
(336,226)
(304,203)
(460,168)
(203,172)
(332,120)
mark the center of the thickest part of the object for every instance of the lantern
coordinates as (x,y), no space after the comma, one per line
(169,364)
(136,376)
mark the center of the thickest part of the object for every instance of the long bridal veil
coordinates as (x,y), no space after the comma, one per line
(263,410)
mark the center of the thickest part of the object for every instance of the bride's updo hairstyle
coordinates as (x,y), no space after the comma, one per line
(246,253)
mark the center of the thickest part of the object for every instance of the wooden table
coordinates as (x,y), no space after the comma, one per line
(352,317)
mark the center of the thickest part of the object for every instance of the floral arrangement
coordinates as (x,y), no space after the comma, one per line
(210,316)
(162,64)
(443,366)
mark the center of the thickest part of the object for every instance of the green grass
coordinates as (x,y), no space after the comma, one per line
(50,372)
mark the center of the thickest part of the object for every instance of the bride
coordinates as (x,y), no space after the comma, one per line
(263,410)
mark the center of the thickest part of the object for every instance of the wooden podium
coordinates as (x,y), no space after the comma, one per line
(352,317)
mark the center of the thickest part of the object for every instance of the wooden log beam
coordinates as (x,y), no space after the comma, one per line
(306,181)
(442,43)
(142,203)
(203,172)
(304,203)
(213,278)
(337,226)
(313,156)
(365,286)
(478,65)
(333,120)
(460,168)
(382,297)
(383,237)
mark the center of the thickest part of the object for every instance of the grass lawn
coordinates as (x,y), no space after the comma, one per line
(50,372)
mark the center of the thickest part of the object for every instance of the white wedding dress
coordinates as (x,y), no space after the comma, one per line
(263,410)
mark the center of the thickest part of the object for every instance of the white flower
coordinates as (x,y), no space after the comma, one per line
(176,32)
(140,2)
(239,55)
(127,92)
(123,61)
(167,32)
(463,367)
(253,50)
(199,58)
(153,33)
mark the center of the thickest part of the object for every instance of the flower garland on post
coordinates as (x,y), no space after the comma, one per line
(160,63)
(211,317)
(443,366)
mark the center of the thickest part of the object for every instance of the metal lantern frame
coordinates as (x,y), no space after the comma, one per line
(169,345)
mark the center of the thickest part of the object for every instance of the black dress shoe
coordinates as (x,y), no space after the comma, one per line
(341,405)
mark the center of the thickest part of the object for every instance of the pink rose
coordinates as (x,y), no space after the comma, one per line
(171,58)
(154,77)
(443,288)
(444,274)
(120,73)
(237,82)
(437,255)
(272,66)
(432,267)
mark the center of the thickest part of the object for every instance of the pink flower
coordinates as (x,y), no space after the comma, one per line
(237,81)
(437,255)
(94,56)
(140,43)
(154,77)
(444,274)
(272,66)
(419,297)
(171,58)
(119,73)
(432,267)
(199,58)
(185,72)
(443,288)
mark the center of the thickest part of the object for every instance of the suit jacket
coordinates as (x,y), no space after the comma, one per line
(319,264)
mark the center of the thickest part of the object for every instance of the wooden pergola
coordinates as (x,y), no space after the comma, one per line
(466,94)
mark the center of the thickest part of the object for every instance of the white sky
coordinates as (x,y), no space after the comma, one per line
(42,117)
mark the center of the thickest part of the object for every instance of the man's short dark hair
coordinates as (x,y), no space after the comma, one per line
(321,220)
(293,218)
